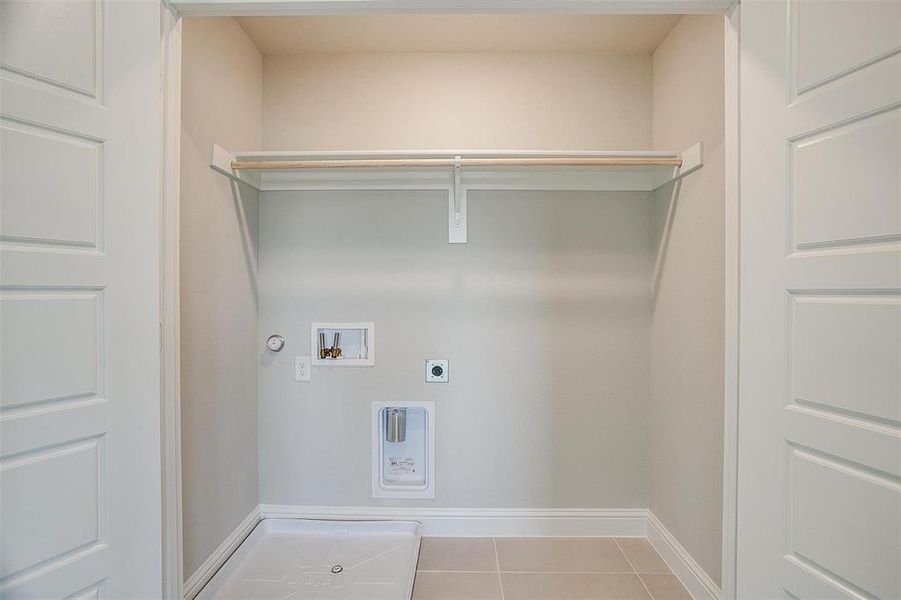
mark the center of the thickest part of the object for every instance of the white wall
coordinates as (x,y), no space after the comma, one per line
(448,100)
(544,316)
(221,100)
(686,474)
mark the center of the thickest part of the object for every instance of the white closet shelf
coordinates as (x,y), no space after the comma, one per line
(457,171)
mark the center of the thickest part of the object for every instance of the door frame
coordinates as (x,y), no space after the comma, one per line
(170,370)
(174,10)
(732,249)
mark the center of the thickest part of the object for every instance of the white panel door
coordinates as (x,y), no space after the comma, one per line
(79,263)
(819,497)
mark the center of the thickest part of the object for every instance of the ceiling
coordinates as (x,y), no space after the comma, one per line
(458,33)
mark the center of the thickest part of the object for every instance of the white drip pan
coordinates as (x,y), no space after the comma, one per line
(304,559)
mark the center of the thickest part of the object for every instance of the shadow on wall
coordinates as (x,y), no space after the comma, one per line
(248,238)
(664,216)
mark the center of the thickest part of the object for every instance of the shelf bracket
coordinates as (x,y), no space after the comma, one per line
(221,161)
(456,207)
(692,160)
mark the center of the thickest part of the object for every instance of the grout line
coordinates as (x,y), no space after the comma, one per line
(500,572)
(641,578)
(452,571)
(544,572)
(497,562)
(634,570)
(569,572)
(621,551)
(497,559)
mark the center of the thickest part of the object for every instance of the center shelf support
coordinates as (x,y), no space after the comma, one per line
(456,222)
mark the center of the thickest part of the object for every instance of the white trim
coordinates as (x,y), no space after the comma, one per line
(693,577)
(642,178)
(456,206)
(221,161)
(444,153)
(368,327)
(170,402)
(624,522)
(692,160)
(732,262)
(227,8)
(485,522)
(457,182)
(221,554)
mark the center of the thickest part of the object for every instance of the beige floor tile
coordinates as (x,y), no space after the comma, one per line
(564,555)
(642,555)
(572,586)
(457,554)
(456,586)
(665,587)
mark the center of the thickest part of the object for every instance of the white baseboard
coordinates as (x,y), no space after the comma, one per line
(693,577)
(221,554)
(486,522)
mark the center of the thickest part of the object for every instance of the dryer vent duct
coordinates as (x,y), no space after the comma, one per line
(395,425)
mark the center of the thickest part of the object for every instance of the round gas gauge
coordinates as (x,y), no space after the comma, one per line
(275,343)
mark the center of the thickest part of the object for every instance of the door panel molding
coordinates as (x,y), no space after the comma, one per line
(79,295)
(819,508)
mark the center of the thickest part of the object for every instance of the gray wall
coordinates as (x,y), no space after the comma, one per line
(221,100)
(687,361)
(544,316)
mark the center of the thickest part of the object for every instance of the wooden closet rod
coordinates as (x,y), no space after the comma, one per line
(600,161)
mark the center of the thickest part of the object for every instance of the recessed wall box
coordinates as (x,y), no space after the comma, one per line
(342,344)
(403,449)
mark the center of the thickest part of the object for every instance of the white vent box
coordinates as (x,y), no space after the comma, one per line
(403,449)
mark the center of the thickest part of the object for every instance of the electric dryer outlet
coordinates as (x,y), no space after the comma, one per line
(436,370)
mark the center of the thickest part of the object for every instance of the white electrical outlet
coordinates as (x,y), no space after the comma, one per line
(436,370)
(301,368)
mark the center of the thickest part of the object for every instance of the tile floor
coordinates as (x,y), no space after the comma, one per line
(543,569)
